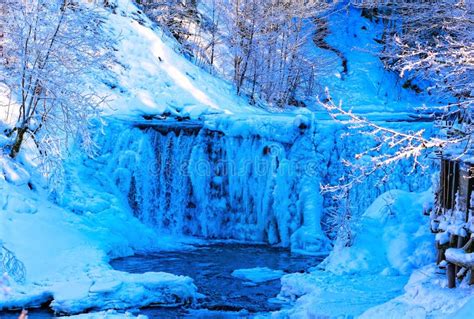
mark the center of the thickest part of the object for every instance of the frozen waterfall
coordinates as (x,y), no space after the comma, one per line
(214,183)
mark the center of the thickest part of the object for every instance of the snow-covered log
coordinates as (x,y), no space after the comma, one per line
(459,257)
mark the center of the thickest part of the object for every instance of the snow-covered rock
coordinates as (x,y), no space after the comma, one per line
(118,290)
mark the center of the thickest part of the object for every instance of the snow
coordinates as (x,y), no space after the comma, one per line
(118,290)
(258,274)
(13,172)
(465,311)
(323,294)
(426,296)
(388,272)
(110,314)
(391,241)
(442,237)
(151,77)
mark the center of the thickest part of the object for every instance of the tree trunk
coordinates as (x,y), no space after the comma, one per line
(18,142)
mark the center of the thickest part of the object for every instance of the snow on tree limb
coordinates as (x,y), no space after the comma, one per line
(391,146)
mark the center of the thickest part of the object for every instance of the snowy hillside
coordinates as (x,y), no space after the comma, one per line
(151,77)
(367,87)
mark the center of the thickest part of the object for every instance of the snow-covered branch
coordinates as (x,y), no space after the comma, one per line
(11,267)
(391,145)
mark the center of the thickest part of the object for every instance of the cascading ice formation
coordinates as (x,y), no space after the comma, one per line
(217,184)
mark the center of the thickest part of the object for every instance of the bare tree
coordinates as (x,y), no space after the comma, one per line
(431,41)
(11,267)
(50,48)
(391,146)
(265,40)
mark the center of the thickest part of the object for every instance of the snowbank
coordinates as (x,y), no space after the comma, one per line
(325,295)
(393,237)
(118,290)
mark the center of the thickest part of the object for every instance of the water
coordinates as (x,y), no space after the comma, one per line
(211,266)
(34,313)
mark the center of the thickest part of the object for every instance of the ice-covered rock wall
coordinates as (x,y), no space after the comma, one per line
(222,183)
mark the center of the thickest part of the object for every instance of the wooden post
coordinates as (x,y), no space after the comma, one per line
(471,278)
(440,253)
(461,242)
(440,256)
(453,241)
(451,273)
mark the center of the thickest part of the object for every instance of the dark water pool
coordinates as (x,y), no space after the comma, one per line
(211,266)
